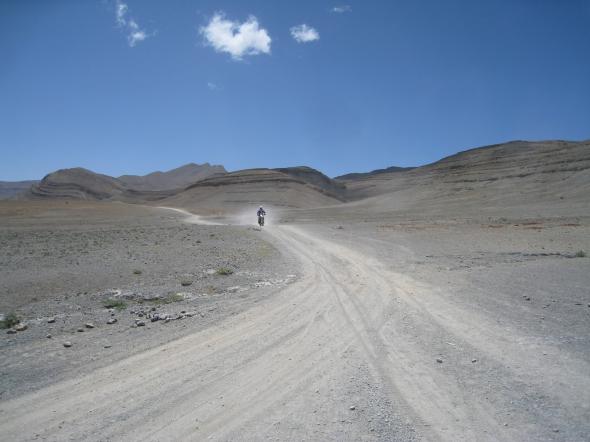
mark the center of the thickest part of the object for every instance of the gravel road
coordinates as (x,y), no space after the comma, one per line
(352,350)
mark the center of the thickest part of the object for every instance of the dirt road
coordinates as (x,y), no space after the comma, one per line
(348,352)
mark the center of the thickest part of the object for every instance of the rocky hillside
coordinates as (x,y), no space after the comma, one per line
(291,187)
(78,183)
(83,184)
(550,174)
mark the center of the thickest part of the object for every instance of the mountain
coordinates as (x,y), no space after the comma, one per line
(361,175)
(545,175)
(9,189)
(172,179)
(550,175)
(78,183)
(287,188)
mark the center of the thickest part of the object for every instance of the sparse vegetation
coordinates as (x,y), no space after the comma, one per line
(10,320)
(224,271)
(119,304)
(580,254)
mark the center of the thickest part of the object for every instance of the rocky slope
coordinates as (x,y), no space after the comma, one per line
(286,188)
(549,174)
(78,183)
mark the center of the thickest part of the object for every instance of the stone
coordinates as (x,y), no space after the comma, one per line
(51,320)
(439,360)
(21,326)
(352,407)
(474,360)
(48,336)
(108,346)
(80,330)
(89,325)
(67,344)
(11,331)
(140,323)
(112,321)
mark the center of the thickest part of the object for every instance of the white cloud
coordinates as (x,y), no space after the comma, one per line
(342,9)
(235,38)
(134,33)
(121,11)
(304,33)
(212,86)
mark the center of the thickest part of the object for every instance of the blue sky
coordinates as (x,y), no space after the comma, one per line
(135,86)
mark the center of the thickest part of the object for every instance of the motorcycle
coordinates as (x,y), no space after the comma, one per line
(261,220)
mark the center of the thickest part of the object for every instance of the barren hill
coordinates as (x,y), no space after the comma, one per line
(172,179)
(550,174)
(553,175)
(80,183)
(292,188)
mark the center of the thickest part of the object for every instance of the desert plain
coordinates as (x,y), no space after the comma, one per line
(447,302)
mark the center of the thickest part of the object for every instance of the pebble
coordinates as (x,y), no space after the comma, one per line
(11,331)
(439,360)
(527,298)
(474,360)
(21,326)
(48,336)
(89,325)
(51,320)
(112,321)
(80,330)
(140,323)
(352,407)
(108,346)
(67,344)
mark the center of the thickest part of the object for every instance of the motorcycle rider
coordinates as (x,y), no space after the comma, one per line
(261,213)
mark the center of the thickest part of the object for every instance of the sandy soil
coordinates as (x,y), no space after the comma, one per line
(393,329)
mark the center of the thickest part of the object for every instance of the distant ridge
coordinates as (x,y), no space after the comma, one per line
(173,179)
(551,174)
(10,189)
(80,183)
(361,175)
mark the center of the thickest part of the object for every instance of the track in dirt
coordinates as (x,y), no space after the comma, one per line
(344,353)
